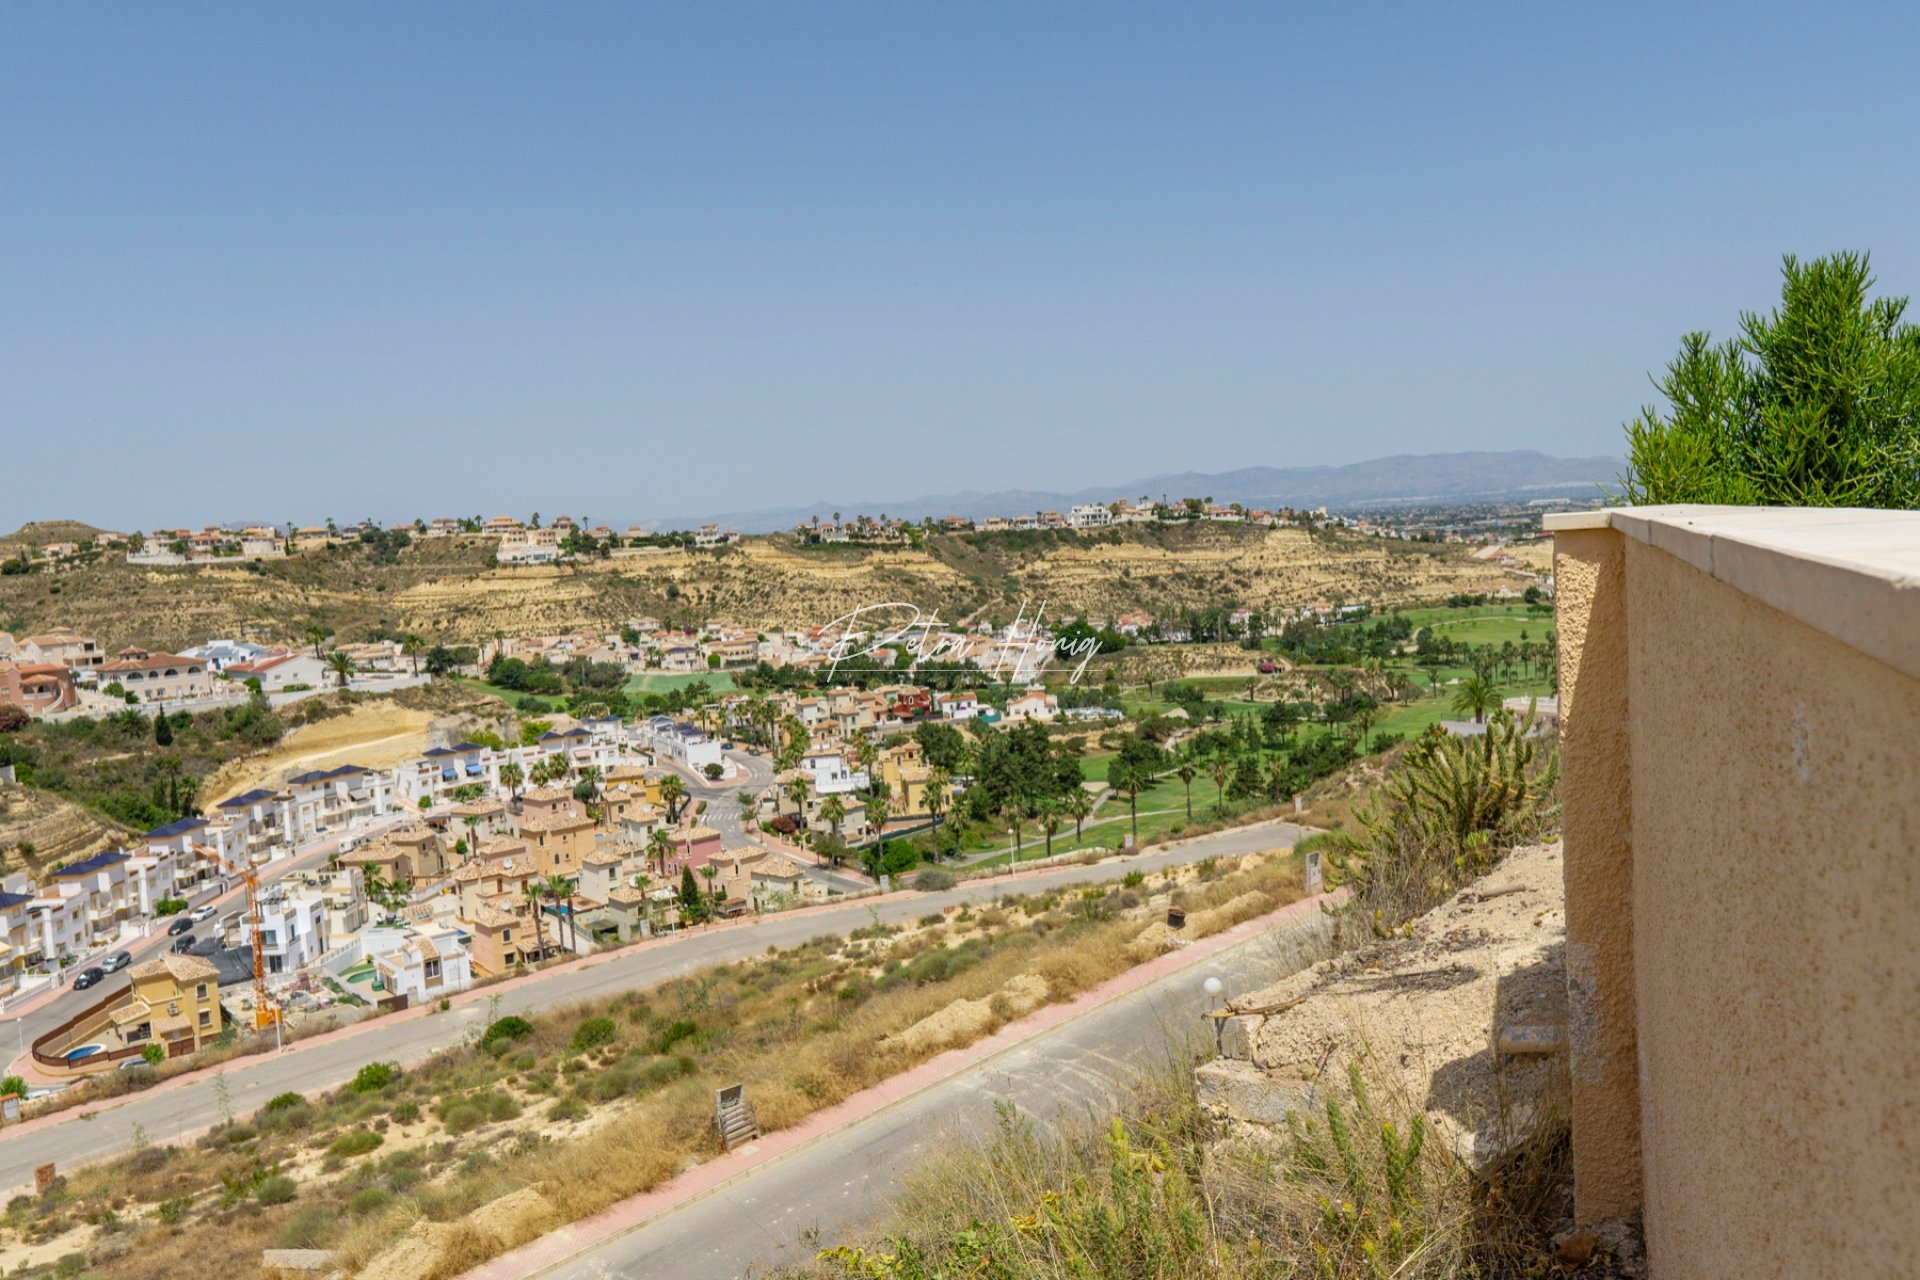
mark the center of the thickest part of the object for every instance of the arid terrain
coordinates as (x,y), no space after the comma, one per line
(448,589)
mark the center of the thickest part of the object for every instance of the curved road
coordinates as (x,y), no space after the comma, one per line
(169,1113)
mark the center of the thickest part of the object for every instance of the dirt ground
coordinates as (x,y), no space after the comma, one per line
(375,734)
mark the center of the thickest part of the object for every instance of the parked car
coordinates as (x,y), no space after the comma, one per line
(179,927)
(183,946)
(135,1064)
(201,913)
(88,977)
(117,961)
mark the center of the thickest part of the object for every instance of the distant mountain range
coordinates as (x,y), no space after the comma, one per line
(1398,481)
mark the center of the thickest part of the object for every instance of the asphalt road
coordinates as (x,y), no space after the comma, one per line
(824,1193)
(168,1114)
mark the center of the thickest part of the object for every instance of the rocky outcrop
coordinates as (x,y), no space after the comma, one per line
(1464,1018)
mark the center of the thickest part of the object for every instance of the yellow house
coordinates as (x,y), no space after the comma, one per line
(557,831)
(904,771)
(175,1003)
(638,780)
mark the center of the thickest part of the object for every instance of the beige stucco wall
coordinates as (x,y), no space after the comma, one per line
(1759,803)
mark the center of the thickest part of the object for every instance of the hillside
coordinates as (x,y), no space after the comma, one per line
(445,589)
(39,830)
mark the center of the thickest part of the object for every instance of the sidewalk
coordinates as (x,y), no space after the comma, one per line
(557,1247)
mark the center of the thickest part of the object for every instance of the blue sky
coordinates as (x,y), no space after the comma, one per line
(355,259)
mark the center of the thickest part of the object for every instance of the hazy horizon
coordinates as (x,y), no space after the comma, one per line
(366,260)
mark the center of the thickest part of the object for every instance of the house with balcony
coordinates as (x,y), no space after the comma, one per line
(687,744)
(173,1001)
(323,801)
(38,688)
(100,882)
(68,648)
(57,925)
(431,963)
(158,678)
(293,929)
(556,830)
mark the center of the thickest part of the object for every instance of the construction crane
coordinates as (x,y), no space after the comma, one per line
(265,1012)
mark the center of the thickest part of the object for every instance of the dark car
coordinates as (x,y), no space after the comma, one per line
(88,977)
(183,946)
(117,961)
(179,927)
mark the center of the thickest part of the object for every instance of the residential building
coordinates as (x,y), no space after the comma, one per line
(430,964)
(556,829)
(278,672)
(38,688)
(68,648)
(158,677)
(173,1001)
(1033,704)
(293,928)
(1089,515)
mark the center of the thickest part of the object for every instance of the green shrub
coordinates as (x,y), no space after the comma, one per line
(461,1117)
(279,1189)
(673,1033)
(934,881)
(567,1109)
(282,1101)
(357,1143)
(374,1077)
(309,1227)
(503,1032)
(406,1113)
(593,1033)
(368,1200)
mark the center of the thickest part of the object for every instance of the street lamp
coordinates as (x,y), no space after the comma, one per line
(1214,989)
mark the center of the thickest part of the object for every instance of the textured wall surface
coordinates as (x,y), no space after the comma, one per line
(1590,580)
(1742,834)
(1776,936)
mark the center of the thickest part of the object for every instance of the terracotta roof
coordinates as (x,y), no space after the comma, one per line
(487,917)
(560,823)
(626,895)
(183,968)
(546,795)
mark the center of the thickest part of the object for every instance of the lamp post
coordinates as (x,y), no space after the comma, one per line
(1214,988)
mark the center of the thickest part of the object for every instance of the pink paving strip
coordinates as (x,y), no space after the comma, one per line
(564,1243)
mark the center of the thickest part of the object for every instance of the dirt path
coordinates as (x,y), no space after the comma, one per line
(373,736)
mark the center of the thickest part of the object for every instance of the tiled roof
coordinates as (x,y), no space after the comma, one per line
(183,968)
(89,865)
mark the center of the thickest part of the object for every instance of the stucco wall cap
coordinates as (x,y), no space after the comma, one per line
(1851,573)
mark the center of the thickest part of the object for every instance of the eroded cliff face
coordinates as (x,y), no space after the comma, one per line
(448,589)
(1464,1018)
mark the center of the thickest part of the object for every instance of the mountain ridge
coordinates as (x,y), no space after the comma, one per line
(1402,479)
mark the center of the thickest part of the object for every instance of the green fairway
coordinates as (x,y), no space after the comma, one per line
(665,682)
(509,696)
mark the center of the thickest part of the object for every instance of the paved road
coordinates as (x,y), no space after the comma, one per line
(168,1114)
(38,1020)
(824,1193)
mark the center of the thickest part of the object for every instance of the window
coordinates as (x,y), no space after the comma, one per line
(432,968)
(206,1017)
(201,991)
(506,935)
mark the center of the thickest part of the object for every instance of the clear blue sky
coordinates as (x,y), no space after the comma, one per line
(271,261)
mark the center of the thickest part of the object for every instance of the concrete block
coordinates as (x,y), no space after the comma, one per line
(1241,1091)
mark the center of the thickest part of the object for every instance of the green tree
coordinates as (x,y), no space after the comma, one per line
(511,777)
(1815,404)
(1186,772)
(341,666)
(162,730)
(1476,697)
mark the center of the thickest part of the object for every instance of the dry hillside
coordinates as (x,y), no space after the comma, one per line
(447,589)
(39,830)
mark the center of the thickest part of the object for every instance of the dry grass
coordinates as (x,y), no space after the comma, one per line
(586,1127)
(1154,1189)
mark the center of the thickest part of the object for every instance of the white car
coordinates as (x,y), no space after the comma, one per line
(201,913)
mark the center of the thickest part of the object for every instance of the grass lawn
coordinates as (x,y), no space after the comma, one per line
(1486,625)
(510,697)
(663,682)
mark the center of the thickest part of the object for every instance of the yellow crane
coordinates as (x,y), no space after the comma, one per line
(265,1012)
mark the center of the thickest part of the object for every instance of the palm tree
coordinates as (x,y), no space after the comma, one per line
(534,889)
(938,788)
(662,846)
(1051,816)
(591,775)
(413,646)
(797,792)
(876,810)
(1016,816)
(1476,695)
(1186,772)
(315,634)
(834,810)
(1131,779)
(560,887)
(511,776)
(1220,769)
(1079,804)
(672,792)
(341,665)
